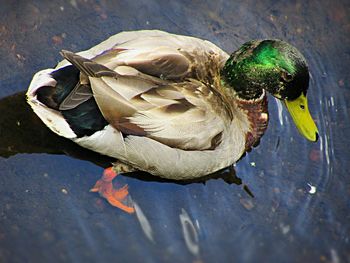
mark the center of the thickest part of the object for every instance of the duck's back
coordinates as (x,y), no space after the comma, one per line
(152,52)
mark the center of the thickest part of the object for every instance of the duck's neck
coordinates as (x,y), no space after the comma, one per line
(239,85)
(257,116)
(254,113)
(248,72)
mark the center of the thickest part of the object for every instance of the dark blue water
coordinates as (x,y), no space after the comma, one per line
(48,214)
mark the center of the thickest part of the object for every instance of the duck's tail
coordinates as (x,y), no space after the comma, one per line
(46,94)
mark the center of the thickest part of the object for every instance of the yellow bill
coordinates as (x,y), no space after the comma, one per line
(299,111)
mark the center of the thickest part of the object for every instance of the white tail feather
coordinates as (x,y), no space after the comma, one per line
(53,119)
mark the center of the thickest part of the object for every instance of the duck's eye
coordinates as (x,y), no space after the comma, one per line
(286,76)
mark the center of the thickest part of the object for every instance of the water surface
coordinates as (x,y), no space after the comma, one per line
(47,212)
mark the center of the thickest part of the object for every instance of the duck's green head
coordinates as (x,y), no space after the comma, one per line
(280,69)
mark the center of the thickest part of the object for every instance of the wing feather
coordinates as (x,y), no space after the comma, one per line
(77,96)
(147,86)
(163,55)
(189,123)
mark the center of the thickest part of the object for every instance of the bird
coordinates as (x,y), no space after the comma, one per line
(175,106)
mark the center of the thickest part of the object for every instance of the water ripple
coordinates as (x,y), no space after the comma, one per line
(189,232)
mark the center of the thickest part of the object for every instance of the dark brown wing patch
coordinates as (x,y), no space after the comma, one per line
(181,106)
(215,141)
(170,66)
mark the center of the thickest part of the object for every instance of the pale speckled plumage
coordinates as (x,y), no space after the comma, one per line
(163,91)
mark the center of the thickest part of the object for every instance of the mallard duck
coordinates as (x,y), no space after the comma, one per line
(174,106)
